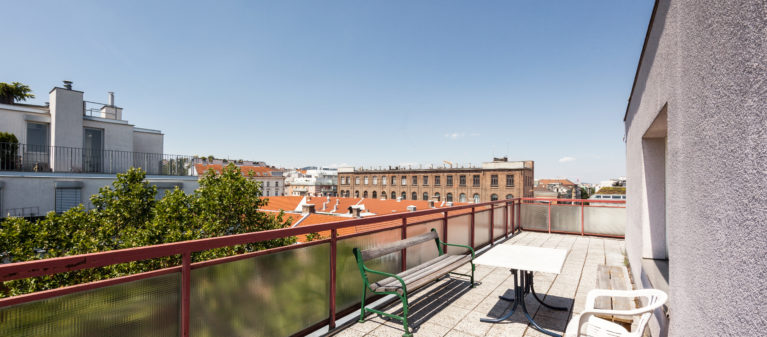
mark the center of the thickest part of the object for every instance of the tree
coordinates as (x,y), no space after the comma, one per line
(14,91)
(9,148)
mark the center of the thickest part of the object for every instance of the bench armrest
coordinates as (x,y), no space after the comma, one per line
(456,245)
(401,281)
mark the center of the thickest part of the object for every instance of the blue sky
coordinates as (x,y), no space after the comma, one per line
(364,83)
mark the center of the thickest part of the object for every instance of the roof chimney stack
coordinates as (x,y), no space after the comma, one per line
(356,211)
(68,85)
(411,208)
(307,209)
(431,203)
(111,100)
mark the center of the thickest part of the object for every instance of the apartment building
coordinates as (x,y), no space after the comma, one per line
(70,147)
(496,180)
(312,181)
(271,178)
(696,153)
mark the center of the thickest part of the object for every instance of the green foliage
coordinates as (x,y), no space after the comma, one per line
(14,91)
(585,193)
(612,190)
(313,237)
(9,149)
(7,137)
(127,214)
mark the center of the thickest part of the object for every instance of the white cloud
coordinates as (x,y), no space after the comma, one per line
(566,159)
(455,135)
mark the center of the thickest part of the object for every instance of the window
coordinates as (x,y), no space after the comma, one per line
(436,180)
(449,197)
(365,194)
(425,180)
(494,180)
(462,180)
(93,149)
(356,194)
(267,193)
(509,196)
(449,181)
(383,195)
(494,197)
(276,184)
(37,137)
(436,196)
(509,180)
(383,180)
(415,180)
(375,195)
(404,196)
(404,180)
(414,196)
(357,180)
(267,184)
(475,180)
(393,194)
(366,180)
(67,198)
(462,197)
(476,198)
(393,181)
(425,196)
(375,180)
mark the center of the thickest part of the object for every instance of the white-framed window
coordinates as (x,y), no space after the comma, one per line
(383,180)
(366,180)
(375,180)
(357,180)
(404,181)
(67,198)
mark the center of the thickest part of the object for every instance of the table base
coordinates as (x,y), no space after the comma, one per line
(523,285)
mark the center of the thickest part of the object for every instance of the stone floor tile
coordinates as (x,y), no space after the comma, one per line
(472,326)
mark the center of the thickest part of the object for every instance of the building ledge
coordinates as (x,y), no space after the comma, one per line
(657,273)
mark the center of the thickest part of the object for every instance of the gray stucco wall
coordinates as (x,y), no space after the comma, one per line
(708,62)
(147,142)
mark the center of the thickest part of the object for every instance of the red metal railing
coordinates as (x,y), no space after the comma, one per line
(580,203)
(21,270)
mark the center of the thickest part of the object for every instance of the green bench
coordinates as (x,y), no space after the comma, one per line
(409,280)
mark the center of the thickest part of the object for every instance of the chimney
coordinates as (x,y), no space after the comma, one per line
(111,100)
(307,208)
(356,211)
(411,208)
(449,204)
(399,199)
(68,85)
(431,203)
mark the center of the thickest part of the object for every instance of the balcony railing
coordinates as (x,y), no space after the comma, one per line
(290,290)
(43,158)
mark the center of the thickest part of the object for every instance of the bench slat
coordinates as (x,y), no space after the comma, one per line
(428,273)
(418,271)
(373,253)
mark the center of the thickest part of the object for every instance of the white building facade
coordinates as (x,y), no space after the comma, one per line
(66,152)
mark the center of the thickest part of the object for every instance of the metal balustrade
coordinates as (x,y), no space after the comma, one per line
(290,290)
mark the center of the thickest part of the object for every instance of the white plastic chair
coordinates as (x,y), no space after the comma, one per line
(586,324)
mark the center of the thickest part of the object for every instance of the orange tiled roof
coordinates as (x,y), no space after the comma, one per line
(285,203)
(256,171)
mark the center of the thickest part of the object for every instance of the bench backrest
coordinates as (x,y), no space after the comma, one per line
(379,251)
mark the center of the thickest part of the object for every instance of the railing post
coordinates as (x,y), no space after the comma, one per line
(185,292)
(582,211)
(333,240)
(444,231)
(404,250)
(549,217)
(471,226)
(506,220)
(492,225)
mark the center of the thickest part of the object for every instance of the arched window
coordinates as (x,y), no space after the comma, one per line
(476,198)
(462,197)
(393,195)
(509,196)
(356,194)
(414,196)
(383,195)
(436,196)
(449,197)
(404,196)
(425,196)
(365,194)
(494,197)
(375,195)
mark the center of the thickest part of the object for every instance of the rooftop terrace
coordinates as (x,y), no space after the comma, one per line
(450,308)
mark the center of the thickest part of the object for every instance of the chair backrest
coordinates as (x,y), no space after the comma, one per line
(655,299)
(373,253)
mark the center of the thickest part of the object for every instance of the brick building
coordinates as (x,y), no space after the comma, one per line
(499,179)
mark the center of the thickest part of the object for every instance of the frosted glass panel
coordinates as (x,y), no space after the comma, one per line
(348,279)
(535,216)
(148,307)
(605,220)
(481,228)
(499,221)
(458,233)
(566,218)
(426,251)
(277,294)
